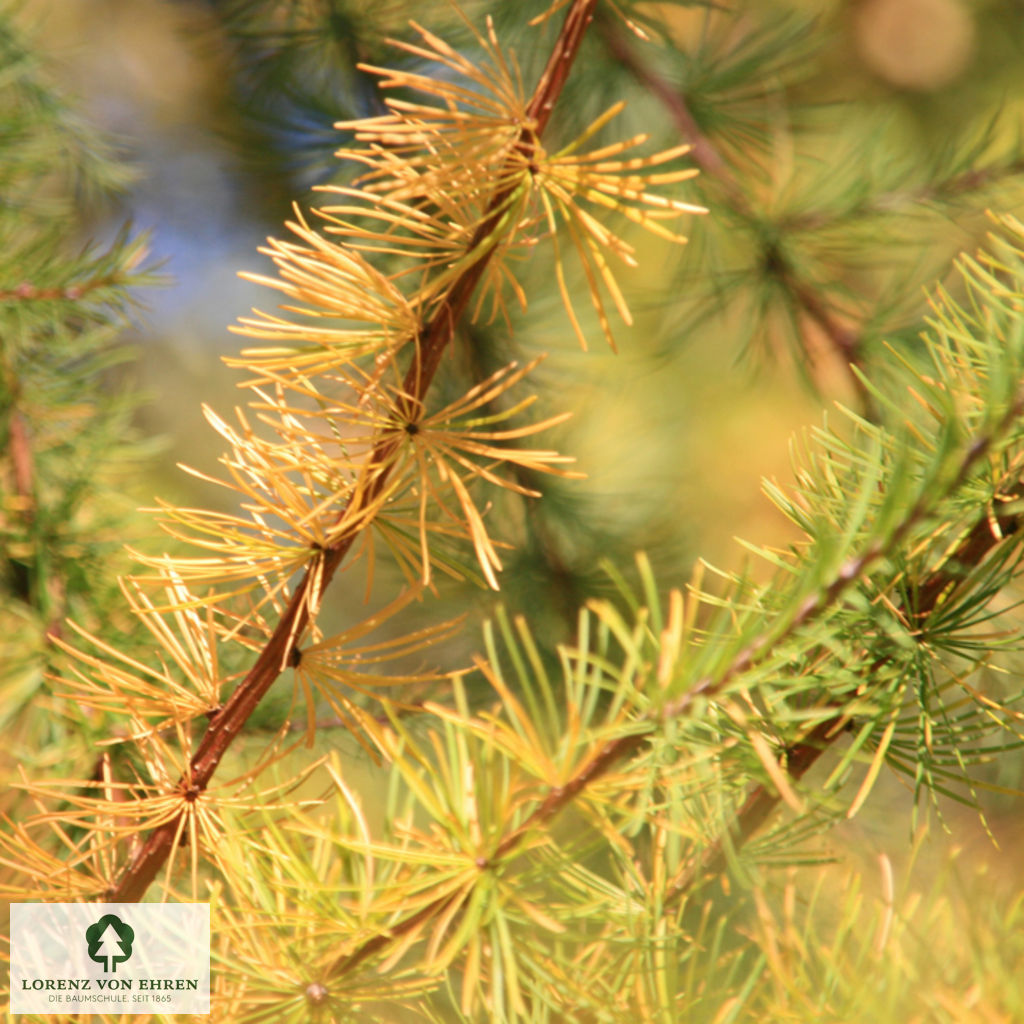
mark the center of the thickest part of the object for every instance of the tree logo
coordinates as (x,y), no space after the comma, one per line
(110,941)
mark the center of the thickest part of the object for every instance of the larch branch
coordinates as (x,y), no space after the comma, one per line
(437,334)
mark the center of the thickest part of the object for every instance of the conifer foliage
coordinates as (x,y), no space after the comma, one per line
(593,839)
(65,431)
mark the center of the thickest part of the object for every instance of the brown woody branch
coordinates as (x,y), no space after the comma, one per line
(231,718)
(22,463)
(26,291)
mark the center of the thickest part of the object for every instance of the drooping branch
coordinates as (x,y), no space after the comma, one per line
(434,339)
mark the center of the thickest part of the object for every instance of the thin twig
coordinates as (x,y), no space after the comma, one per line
(974,180)
(26,291)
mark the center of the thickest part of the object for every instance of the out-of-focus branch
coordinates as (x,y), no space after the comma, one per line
(812,306)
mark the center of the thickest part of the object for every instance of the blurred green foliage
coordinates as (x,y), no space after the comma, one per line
(70,450)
